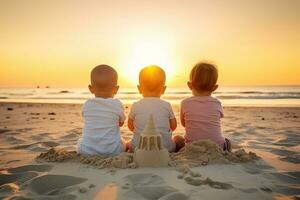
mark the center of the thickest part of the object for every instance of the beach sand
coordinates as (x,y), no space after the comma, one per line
(27,130)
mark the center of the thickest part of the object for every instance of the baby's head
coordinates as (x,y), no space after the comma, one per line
(152,81)
(104,81)
(203,79)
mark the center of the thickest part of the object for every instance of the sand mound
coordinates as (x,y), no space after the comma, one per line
(124,160)
(203,152)
(194,154)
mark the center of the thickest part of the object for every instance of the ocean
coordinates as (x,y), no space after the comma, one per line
(266,96)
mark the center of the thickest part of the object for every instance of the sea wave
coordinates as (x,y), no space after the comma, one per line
(172,94)
(257,97)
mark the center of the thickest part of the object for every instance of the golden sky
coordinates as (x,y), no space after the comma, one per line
(57,42)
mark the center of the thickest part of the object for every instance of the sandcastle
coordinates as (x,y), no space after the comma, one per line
(150,151)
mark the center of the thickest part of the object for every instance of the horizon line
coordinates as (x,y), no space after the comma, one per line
(77,87)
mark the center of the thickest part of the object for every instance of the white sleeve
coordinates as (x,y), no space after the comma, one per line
(83,108)
(132,112)
(122,112)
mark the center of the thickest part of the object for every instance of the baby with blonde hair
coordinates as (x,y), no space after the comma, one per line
(201,114)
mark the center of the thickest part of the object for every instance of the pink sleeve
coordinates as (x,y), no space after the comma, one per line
(221,111)
(182,120)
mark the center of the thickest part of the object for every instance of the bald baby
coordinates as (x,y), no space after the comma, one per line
(152,81)
(104,81)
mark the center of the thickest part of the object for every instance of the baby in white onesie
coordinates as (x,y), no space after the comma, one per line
(103,115)
(152,86)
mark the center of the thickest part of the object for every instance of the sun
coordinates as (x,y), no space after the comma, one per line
(147,52)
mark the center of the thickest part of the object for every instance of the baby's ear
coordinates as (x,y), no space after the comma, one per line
(140,89)
(190,85)
(91,89)
(116,89)
(215,87)
(163,89)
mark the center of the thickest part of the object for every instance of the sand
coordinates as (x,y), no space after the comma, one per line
(123,161)
(194,154)
(30,130)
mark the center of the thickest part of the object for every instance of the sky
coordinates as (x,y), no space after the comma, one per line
(57,42)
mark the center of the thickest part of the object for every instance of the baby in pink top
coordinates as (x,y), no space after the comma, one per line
(201,114)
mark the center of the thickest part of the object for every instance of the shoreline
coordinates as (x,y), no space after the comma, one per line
(128,104)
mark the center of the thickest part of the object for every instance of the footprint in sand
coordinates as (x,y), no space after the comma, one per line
(14,140)
(72,134)
(22,174)
(287,155)
(150,186)
(174,196)
(292,139)
(295,159)
(43,187)
(257,168)
(17,177)
(51,184)
(287,177)
(26,168)
(8,189)
(248,190)
(209,182)
(54,197)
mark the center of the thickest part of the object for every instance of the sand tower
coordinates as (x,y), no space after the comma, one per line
(150,151)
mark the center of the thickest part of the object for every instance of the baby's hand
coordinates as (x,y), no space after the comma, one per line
(130,124)
(173,124)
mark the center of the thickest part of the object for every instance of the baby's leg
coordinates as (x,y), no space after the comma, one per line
(231,145)
(128,147)
(124,145)
(179,142)
(228,145)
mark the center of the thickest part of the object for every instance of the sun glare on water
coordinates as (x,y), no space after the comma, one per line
(144,53)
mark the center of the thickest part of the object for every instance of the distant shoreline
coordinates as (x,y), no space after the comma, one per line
(271,96)
(128,104)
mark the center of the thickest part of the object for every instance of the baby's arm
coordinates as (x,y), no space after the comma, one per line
(172,118)
(173,124)
(122,116)
(182,120)
(131,117)
(130,124)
